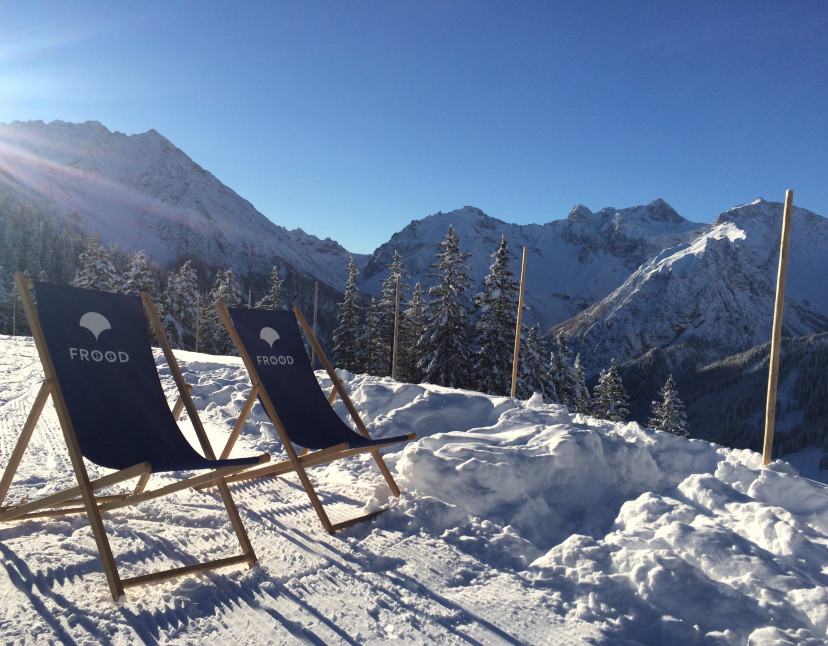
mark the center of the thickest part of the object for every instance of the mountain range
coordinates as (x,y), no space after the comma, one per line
(639,284)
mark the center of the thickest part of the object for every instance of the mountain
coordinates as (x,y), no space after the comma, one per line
(141,192)
(711,297)
(571,263)
(643,285)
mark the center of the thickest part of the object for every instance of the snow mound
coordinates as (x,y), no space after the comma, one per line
(518,523)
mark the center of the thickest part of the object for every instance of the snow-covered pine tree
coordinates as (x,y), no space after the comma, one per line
(225,290)
(275,293)
(446,356)
(609,399)
(183,309)
(372,348)
(532,375)
(386,311)
(668,414)
(580,392)
(6,304)
(496,306)
(20,324)
(560,373)
(411,329)
(96,270)
(346,345)
(553,377)
(139,277)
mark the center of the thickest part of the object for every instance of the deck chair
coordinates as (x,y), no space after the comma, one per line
(283,381)
(101,375)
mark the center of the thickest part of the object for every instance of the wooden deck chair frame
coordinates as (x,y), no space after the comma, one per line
(299,462)
(81,499)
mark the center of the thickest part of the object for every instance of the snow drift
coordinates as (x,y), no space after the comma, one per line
(519,523)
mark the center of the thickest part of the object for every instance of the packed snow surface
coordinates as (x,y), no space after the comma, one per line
(519,523)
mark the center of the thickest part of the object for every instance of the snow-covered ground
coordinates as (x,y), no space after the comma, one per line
(518,523)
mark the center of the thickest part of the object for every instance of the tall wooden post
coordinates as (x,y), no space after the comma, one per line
(776,338)
(315,307)
(396,330)
(519,324)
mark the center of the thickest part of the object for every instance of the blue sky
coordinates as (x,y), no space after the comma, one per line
(350,119)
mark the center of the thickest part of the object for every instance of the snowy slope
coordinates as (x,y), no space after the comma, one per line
(715,293)
(519,524)
(142,192)
(571,263)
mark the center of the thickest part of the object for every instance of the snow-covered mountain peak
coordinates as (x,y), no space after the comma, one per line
(717,289)
(579,212)
(143,192)
(571,263)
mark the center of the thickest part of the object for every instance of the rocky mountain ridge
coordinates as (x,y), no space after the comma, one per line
(642,284)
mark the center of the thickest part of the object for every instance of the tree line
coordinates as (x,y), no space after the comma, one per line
(445,334)
(447,337)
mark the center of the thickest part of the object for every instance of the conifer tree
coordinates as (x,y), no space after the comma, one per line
(668,414)
(560,373)
(580,392)
(345,352)
(225,290)
(372,347)
(20,324)
(609,399)
(495,328)
(411,329)
(6,305)
(446,356)
(96,270)
(183,309)
(275,293)
(532,374)
(139,276)
(386,313)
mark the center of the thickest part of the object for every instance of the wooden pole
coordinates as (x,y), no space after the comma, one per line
(776,338)
(396,330)
(315,306)
(519,323)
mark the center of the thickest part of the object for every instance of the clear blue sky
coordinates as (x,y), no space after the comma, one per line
(350,119)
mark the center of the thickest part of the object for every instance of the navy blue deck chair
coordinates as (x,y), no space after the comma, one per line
(283,381)
(101,374)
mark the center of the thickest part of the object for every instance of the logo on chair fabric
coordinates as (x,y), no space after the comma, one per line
(270,336)
(97,323)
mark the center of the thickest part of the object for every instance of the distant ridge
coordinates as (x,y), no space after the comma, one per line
(141,192)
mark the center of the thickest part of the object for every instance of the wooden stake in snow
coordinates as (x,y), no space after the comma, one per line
(315,306)
(518,326)
(776,338)
(396,330)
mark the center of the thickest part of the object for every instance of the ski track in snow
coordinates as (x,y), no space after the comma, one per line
(518,524)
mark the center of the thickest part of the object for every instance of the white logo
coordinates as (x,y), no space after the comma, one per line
(95,323)
(269,335)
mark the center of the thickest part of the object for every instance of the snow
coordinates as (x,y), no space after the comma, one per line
(518,523)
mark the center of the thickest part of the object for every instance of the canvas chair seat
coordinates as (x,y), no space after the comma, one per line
(100,350)
(101,375)
(283,381)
